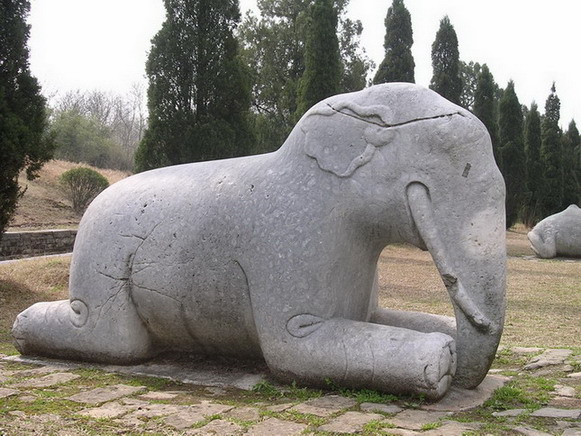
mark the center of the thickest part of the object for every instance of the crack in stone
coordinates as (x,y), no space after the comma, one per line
(403,123)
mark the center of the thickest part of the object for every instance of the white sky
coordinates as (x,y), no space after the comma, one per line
(103,44)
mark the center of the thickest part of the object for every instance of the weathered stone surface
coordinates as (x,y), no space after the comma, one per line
(376,407)
(458,399)
(108,410)
(186,256)
(415,419)
(189,415)
(511,412)
(6,392)
(47,380)
(571,432)
(575,375)
(158,396)
(565,391)
(554,356)
(527,431)
(449,428)
(558,234)
(350,422)
(244,413)
(526,350)
(218,427)
(101,395)
(274,426)
(279,407)
(551,412)
(325,406)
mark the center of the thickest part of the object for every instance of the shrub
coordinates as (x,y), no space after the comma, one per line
(82,185)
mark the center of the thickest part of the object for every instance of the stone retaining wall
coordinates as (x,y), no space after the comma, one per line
(15,245)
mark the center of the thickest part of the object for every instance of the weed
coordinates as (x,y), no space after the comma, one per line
(431,426)
(362,395)
(266,388)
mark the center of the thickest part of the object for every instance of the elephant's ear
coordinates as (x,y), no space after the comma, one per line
(342,141)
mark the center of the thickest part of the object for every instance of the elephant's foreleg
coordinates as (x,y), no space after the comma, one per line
(418,321)
(362,354)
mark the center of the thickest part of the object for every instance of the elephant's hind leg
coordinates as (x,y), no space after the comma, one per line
(102,325)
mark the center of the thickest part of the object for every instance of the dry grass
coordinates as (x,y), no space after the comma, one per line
(44,205)
(543,296)
(26,282)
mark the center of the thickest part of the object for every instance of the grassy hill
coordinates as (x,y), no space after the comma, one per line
(45,205)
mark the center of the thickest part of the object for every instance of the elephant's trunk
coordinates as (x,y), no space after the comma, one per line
(468,247)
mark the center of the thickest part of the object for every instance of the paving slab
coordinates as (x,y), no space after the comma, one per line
(511,412)
(527,431)
(377,407)
(244,414)
(195,370)
(350,422)
(158,396)
(218,427)
(551,412)
(565,391)
(109,410)
(102,395)
(325,406)
(276,427)
(449,428)
(415,419)
(279,407)
(190,415)
(6,392)
(548,358)
(47,381)
(458,399)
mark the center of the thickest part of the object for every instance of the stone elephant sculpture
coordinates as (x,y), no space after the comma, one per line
(558,234)
(274,256)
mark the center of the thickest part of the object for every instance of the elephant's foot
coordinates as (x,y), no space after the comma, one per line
(72,330)
(366,355)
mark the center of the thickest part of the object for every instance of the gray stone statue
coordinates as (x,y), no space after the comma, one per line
(558,234)
(274,256)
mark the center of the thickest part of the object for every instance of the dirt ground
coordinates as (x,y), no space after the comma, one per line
(44,204)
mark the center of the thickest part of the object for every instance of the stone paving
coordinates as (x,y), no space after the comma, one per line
(134,408)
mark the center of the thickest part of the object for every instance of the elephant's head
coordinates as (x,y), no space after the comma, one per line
(430,179)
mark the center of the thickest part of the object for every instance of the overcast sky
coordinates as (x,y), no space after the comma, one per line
(103,44)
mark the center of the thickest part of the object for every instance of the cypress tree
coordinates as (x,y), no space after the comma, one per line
(551,196)
(322,76)
(571,167)
(513,168)
(485,106)
(24,144)
(199,90)
(398,64)
(446,79)
(531,211)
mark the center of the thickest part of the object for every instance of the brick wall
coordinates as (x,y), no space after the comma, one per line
(15,245)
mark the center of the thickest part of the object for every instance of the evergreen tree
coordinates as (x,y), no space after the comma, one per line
(484,106)
(446,79)
(199,90)
(469,73)
(571,167)
(513,168)
(24,144)
(274,45)
(322,76)
(398,64)
(531,211)
(551,196)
